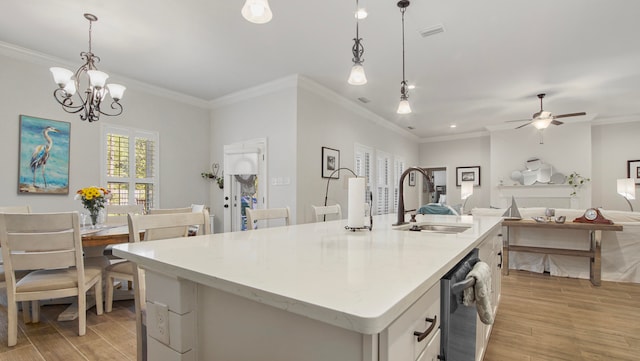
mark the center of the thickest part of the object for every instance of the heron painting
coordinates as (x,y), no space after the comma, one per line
(44,156)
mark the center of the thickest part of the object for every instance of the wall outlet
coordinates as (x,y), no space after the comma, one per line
(158,321)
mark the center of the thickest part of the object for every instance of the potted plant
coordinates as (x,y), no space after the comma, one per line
(576,181)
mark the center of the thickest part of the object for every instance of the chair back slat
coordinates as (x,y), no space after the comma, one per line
(254,215)
(170,210)
(163,226)
(117,213)
(32,242)
(15,209)
(43,260)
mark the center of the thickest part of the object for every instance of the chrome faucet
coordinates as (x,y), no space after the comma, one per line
(401,193)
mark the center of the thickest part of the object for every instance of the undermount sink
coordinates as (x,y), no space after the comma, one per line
(435,228)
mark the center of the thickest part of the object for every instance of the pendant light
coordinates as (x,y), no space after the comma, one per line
(357,76)
(403,107)
(257,11)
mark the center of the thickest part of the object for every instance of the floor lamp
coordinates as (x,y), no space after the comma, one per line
(627,189)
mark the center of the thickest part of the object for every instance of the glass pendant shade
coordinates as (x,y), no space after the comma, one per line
(70,88)
(97,78)
(257,11)
(361,13)
(542,123)
(61,76)
(116,91)
(404,107)
(357,76)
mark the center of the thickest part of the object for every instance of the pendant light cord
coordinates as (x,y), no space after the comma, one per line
(402,10)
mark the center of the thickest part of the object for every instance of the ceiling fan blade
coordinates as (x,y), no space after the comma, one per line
(518,120)
(523,125)
(556,122)
(569,115)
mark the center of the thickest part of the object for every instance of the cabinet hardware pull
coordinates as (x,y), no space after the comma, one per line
(422,335)
(500,264)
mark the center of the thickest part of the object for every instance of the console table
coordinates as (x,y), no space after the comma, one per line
(595,238)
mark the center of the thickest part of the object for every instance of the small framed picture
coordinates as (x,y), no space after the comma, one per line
(465,174)
(412,179)
(633,170)
(330,163)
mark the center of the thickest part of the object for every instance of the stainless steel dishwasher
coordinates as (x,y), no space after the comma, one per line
(458,324)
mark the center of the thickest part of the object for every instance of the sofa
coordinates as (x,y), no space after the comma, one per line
(620,250)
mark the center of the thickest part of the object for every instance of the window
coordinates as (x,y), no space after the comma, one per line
(383,181)
(398,167)
(130,165)
(363,167)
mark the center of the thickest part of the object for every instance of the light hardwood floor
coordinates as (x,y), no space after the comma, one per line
(540,318)
(544,318)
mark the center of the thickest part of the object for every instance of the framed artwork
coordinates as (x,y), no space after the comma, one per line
(330,163)
(468,174)
(633,170)
(43,164)
(412,179)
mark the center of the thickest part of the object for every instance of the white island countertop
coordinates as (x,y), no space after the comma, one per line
(361,281)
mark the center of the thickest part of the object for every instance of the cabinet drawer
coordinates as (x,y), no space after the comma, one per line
(399,342)
(432,351)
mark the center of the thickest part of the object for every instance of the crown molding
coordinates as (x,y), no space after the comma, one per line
(34,57)
(445,138)
(328,94)
(290,81)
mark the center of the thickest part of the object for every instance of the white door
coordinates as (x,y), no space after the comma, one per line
(244,181)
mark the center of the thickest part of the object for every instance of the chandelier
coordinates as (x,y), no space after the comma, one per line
(257,11)
(403,107)
(357,75)
(89,104)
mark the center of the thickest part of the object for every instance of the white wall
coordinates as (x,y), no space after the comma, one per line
(613,146)
(460,153)
(567,148)
(267,111)
(27,88)
(327,121)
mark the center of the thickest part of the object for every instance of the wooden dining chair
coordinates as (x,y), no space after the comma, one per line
(154,227)
(320,212)
(50,244)
(255,215)
(19,274)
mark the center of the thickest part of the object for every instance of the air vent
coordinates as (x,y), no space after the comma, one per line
(410,128)
(432,30)
(364,100)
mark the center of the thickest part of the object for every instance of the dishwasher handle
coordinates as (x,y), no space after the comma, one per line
(422,335)
(463,285)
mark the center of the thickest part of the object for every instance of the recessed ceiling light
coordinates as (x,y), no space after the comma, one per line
(432,30)
(364,100)
(452,126)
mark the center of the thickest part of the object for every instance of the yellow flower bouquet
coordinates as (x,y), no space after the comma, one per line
(93,199)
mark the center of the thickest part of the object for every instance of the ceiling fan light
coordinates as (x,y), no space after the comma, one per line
(257,11)
(357,76)
(542,123)
(404,107)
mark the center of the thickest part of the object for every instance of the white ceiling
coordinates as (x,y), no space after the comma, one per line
(486,68)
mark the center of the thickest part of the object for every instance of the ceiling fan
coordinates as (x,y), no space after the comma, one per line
(542,119)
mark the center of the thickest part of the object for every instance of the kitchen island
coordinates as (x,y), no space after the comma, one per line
(312,291)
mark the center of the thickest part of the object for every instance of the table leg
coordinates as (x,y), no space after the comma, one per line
(595,269)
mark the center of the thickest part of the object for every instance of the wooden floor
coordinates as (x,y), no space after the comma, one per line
(544,318)
(540,318)
(111,336)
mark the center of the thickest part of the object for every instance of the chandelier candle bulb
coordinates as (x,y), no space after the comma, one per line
(355,218)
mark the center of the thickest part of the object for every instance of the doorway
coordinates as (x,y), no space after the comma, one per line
(244,181)
(434,189)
